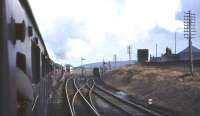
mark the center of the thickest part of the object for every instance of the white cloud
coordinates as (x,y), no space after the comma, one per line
(128,21)
(77,48)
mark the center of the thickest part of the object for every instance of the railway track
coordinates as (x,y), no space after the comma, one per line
(124,105)
(68,98)
(71,98)
(91,88)
(128,108)
(119,104)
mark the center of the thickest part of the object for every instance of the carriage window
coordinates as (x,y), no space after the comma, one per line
(43,65)
(35,57)
(20,30)
(21,61)
(30,31)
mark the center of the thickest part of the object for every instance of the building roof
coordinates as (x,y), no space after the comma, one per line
(186,50)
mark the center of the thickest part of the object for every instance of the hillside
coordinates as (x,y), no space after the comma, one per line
(112,63)
(168,87)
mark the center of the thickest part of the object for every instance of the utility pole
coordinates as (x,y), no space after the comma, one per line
(133,50)
(175,43)
(115,59)
(104,69)
(129,53)
(156,50)
(189,30)
(109,65)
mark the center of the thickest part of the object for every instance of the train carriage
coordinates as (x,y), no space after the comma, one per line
(22,50)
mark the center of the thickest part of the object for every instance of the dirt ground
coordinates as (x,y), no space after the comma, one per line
(167,86)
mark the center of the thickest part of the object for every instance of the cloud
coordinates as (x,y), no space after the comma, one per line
(99,28)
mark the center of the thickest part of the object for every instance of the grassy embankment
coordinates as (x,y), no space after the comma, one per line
(167,86)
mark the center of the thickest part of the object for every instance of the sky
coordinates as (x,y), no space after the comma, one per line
(98,29)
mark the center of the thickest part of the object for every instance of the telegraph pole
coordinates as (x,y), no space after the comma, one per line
(104,69)
(115,59)
(189,30)
(156,50)
(109,65)
(129,53)
(175,43)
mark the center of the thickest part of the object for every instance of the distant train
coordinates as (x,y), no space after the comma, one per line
(24,59)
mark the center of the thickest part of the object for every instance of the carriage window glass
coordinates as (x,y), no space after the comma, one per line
(21,61)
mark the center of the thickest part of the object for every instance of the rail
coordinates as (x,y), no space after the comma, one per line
(68,99)
(138,106)
(81,94)
(90,92)
(71,102)
(35,103)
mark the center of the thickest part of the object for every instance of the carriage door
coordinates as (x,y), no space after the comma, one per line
(35,55)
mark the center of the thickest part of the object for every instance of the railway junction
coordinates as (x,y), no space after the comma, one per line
(82,96)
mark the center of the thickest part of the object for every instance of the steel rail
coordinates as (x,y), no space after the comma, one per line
(90,92)
(67,95)
(112,104)
(35,102)
(73,99)
(81,94)
(138,106)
